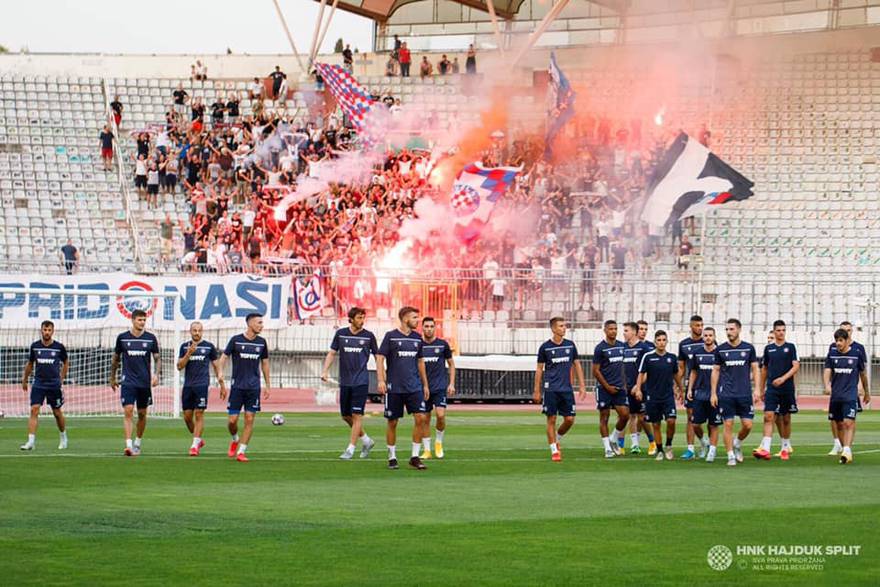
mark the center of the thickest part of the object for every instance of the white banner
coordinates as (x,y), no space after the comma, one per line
(218,301)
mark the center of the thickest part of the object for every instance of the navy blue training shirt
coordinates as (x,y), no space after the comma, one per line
(402,353)
(247,356)
(48,361)
(845,369)
(435,354)
(197,372)
(703,362)
(779,359)
(609,357)
(855,345)
(558,361)
(686,349)
(660,371)
(354,353)
(736,369)
(632,356)
(137,355)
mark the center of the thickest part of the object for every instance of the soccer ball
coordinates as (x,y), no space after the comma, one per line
(277,420)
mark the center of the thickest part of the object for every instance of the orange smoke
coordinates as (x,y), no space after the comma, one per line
(476,140)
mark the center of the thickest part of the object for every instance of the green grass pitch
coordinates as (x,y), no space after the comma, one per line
(496,511)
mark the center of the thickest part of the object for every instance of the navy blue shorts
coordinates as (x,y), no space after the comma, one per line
(52,396)
(704,411)
(194,398)
(843,410)
(437,399)
(142,397)
(732,407)
(243,399)
(353,399)
(394,403)
(606,401)
(657,411)
(558,402)
(688,403)
(780,402)
(636,406)
(859,402)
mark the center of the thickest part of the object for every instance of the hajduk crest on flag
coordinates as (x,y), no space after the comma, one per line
(689,180)
(475,192)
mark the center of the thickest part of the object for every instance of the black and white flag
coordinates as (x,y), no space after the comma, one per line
(688,174)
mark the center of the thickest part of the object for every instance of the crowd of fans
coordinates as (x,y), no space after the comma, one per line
(234,170)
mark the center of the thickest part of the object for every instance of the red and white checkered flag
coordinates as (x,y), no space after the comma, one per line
(354,100)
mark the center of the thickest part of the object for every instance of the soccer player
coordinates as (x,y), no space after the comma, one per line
(440,369)
(658,373)
(136,349)
(194,358)
(779,365)
(643,334)
(736,366)
(699,391)
(354,345)
(637,420)
(836,431)
(403,382)
(610,387)
(844,369)
(686,349)
(556,359)
(250,355)
(48,362)
(632,356)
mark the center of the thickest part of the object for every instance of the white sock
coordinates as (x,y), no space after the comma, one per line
(196,441)
(786,443)
(847,450)
(634,438)
(691,447)
(440,436)
(235,438)
(736,442)
(606,442)
(837,445)
(137,442)
(554,447)
(731,456)
(614,436)
(32,438)
(426,443)
(392,452)
(765,443)
(128,443)
(704,441)
(63,435)
(415,449)
(350,448)
(712,450)
(242,448)
(365,440)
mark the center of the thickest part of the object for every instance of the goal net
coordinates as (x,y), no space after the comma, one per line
(87,324)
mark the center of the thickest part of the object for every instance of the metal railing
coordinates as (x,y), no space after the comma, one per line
(122,176)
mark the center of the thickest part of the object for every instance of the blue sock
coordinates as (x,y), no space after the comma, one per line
(650,436)
(621,442)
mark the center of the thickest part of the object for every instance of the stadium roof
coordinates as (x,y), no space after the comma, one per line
(381,10)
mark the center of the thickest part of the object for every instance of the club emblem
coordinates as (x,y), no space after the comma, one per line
(436,351)
(742,354)
(850,361)
(362,342)
(785,350)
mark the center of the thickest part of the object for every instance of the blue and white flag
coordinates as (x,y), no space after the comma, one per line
(309,296)
(560,105)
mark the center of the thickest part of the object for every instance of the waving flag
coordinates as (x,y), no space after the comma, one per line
(560,105)
(309,296)
(690,176)
(474,193)
(354,100)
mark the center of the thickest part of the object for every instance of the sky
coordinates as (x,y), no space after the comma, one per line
(167,26)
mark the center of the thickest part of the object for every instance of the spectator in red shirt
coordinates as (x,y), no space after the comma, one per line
(405,60)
